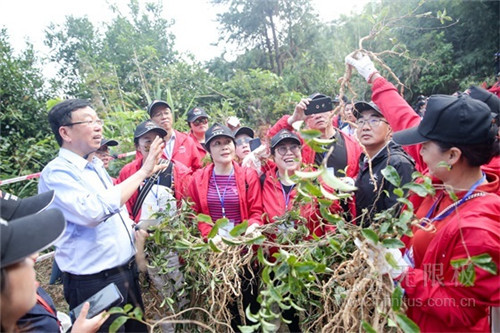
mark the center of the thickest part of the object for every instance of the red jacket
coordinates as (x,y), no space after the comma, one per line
(437,301)
(201,151)
(401,116)
(186,151)
(274,203)
(398,113)
(249,191)
(352,147)
(182,177)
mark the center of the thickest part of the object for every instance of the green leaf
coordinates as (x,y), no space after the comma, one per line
(390,260)
(391,174)
(481,258)
(308,175)
(457,263)
(336,183)
(266,277)
(370,234)
(221,223)
(310,134)
(490,267)
(467,276)
(406,324)
(397,298)
(262,259)
(253,318)
(138,313)
(367,327)
(239,229)
(336,245)
(127,308)
(204,218)
(115,310)
(117,323)
(399,192)
(249,329)
(392,243)
(305,267)
(418,189)
(213,246)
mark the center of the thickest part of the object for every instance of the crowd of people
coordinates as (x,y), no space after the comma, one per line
(93,218)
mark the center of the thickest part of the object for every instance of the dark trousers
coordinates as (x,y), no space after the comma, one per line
(250,291)
(78,288)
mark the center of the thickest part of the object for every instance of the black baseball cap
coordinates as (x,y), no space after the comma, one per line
(146,127)
(214,131)
(29,234)
(487,97)
(284,134)
(450,119)
(361,106)
(109,142)
(244,130)
(12,207)
(196,113)
(156,103)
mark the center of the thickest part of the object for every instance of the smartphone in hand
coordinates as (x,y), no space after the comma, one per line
(319,105)
(104,299)
(254,144)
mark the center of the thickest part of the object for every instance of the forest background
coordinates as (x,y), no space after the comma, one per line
(286,53)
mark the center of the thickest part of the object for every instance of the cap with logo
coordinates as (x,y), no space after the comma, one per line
(450,119)
(215,131)
(154,104)
(196,113)
(146,127)
(359,107)
(284,135)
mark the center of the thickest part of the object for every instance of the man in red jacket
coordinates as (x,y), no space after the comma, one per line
(346,150)
(178,146)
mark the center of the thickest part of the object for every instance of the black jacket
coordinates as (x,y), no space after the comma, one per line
(378,201)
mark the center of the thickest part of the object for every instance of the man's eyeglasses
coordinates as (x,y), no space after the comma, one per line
(243,141)
(372,122)
(86,122)
(200,121)
(282,150)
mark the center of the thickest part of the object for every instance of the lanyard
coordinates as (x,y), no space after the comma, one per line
(448,210)
(286,196)
(221,198)
(47,307)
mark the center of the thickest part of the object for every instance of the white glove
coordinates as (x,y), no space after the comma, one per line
(362,63)
(377,256)
(252,231)
(251,161)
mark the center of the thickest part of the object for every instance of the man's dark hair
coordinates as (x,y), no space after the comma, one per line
(60,115)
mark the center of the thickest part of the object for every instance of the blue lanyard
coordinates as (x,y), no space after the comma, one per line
(221,198)
(449,209)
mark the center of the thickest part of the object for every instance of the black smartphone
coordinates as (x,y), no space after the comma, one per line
(319,105)
(104,299)
(254,144)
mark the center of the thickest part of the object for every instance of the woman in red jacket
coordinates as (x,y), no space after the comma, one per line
(455,137)
(223,189)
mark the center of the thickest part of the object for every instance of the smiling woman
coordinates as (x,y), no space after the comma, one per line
(223,189)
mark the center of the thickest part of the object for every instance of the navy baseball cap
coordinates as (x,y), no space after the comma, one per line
(196,113)
(12,207)
(361,106)
(244,130)
(215,131)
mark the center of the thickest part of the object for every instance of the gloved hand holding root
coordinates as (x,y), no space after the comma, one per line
(363,65)
(378,257)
